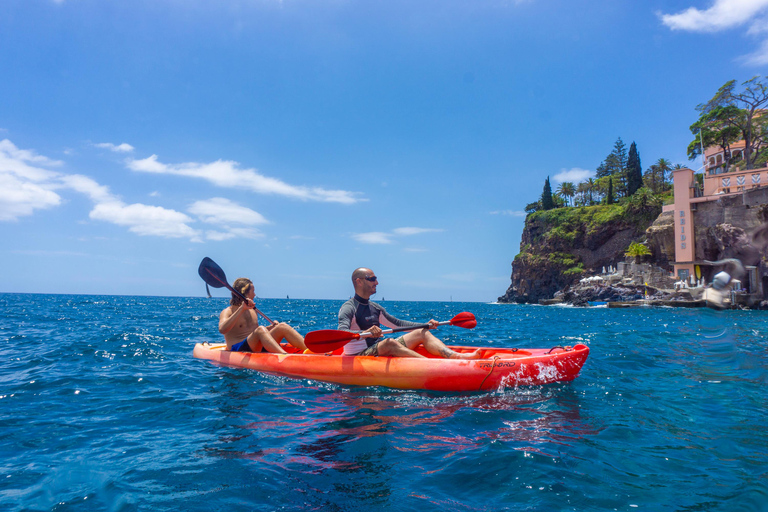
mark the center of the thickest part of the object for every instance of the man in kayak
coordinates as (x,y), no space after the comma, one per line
(239,324)
(361,314)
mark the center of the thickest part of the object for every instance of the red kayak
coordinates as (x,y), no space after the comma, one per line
(498,368)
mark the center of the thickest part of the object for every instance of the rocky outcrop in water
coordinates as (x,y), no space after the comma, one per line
(559,247)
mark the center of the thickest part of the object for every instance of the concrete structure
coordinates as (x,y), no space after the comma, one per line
(690,191)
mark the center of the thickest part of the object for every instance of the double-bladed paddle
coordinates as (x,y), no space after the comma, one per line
(328,340)
(213,275)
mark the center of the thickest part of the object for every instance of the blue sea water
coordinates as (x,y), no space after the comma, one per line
(102,407)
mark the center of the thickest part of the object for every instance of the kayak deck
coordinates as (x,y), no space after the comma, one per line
(498,367)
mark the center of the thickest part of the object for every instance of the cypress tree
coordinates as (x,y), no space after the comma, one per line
(609,198)
(546,197)
(634,171)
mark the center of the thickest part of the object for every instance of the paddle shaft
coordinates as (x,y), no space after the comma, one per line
(367,334)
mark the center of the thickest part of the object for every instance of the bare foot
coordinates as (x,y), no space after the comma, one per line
(469,355)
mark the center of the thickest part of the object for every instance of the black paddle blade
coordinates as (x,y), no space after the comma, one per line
(211,273)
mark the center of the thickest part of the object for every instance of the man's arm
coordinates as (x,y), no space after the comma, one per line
(346,314)
(392,322)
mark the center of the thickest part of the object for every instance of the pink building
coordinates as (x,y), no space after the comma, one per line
(688,193)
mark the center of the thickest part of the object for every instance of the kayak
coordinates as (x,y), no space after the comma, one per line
(498,367)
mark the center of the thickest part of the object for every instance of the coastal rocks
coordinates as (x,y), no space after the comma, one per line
(559,247)
(661,239)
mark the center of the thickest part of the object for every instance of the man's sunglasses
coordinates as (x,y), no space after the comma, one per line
(370,278)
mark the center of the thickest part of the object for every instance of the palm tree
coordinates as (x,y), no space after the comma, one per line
(567,190)
(664,168)
(590,187)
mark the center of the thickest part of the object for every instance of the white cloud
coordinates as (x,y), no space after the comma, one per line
(224,212)
(144,219)
(513,213)
(721,15)
(757,58)
(220,210)
(20,198)
(230,233)
(374,237)
(378,237)
(121,148)
(225,173)
(10,151)
(24,188)
(574,175)
(414,231)
(85,185)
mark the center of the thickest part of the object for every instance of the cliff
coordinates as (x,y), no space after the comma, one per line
(561,246)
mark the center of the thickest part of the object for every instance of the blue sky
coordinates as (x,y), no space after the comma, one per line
(293,141)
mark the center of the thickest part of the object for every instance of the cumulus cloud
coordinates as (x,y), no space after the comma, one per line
(228,174)
(723,15)
(231,218)
(121,148)
(220,210)
(574,175)
(144,219)
(19,198)
(379,237)
(373,237)
(25,186)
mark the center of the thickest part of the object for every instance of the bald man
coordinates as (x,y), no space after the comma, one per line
(359,314)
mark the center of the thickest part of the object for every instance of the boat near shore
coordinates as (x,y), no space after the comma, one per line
(497,368)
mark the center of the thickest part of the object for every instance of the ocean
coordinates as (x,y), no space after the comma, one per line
(102,407)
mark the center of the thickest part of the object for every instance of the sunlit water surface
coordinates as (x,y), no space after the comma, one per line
(102,407)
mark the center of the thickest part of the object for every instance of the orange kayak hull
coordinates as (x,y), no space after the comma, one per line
(497,369)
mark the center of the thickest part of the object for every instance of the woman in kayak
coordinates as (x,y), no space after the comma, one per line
(239,324)
(360,314)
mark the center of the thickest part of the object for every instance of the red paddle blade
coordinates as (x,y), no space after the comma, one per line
(465,320)
(328,340)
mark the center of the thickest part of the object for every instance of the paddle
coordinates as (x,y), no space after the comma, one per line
(213,275)
(328,340)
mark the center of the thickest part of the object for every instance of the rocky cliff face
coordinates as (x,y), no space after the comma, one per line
(561,246)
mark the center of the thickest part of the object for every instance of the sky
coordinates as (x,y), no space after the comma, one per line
(294,141)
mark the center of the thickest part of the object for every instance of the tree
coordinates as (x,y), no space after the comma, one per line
(651,178)
(714,128)
(533,207)
(664,168)
(637,251)
(731,116)
(546,196)
(615,164)
(634,170)
(609,197)
(567,190)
